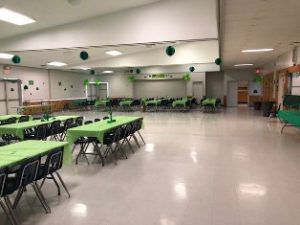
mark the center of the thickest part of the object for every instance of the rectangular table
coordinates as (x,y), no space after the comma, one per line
(13,154)
(19,128)
(96,130)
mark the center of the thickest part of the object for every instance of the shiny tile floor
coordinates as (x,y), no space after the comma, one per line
(229,168)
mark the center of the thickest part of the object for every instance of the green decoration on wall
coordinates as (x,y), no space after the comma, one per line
(65,89)
(97,82)
(218,61)
(257,79)
(16,59)
(37,88)
(186,77)
(31,82)
(92,72)
(12,89)
(170,50)
(131,78)
(86,82)
(25,87)
(59,83)
(159,76)
(138,71)
(71,86)
(84,55)
(192,69)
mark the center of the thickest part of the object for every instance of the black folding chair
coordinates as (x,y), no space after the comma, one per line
(54,131)
(23,119)
(6,208)
(50,168)
(40,133)
(63,130)
(19,180)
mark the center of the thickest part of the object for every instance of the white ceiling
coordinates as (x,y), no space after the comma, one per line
(258,24)
(51,13)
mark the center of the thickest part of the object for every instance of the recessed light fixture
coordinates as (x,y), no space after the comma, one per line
(113,53)
(16,18)
(57,64)
(244,64)
(108,71)
(258,50)
(6,56)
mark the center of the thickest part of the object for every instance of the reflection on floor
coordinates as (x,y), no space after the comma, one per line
(228,168)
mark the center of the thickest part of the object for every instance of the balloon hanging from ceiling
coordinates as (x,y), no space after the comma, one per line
(138,71)
(16,59)
(192,69)
(218,61)
(170,50)
(92,72)
(84,55)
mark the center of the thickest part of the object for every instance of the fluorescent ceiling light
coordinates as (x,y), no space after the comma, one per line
(82,68)
(245,64)
(107,71)
(113,53)
(258,50)
(58,64)
(6,56)
(14,17)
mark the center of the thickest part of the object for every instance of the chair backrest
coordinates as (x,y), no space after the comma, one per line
(105,118)
(139,124)
(41,132)
(27,172)
(117,134)
(10,120)
(79,121)
(2,181)
(23,119)
(55,127)
(54,161)
(97,120)
(88,122)
(68,124)
(37,118)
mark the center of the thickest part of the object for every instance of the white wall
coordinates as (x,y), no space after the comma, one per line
(67,79)
(215,84)
(40,78)
(161,21)
(119,86)
(238,75)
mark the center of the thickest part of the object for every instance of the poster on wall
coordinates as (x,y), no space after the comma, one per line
(255,89)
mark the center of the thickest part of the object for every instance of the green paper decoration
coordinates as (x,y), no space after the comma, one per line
(98,82)
(257,79)
(12,89)
(131,78)
(37,88)
(192,69)
(170,50)
(218,61)
(16,59)
(84,55)
(31,82)
(26,87)
(138,71)
(186,77)
(92,72)
(86,82)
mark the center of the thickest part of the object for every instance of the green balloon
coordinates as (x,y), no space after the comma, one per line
(92,72)
(218,61)
(138,71)
(192,69)
(16,59)
(170,50)
(84,55)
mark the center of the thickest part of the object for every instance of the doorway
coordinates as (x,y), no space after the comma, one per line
(243,93)
(198,90)
(10,96)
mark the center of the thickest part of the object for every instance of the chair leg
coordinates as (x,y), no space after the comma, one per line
(10,209)
(141,137)
(63,183)
(98,150)
(56,184)
(18,197)
(136,140)
(41,197)
(43,181)
(127,141)
(7,212)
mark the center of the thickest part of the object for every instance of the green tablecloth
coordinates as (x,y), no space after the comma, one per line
(6,117)
(209,102)
(101,102)
(18,128)
(290,116)
(153,102)
(181,102)
(97,130)
(13,154)
(126,103)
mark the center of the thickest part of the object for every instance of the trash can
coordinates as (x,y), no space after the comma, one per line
(257,105)
(267,108)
